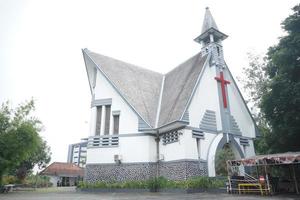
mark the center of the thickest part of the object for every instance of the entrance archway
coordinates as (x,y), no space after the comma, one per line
(218,143)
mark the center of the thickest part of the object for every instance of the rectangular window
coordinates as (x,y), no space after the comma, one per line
(107,119)
(98,120)
(116,124)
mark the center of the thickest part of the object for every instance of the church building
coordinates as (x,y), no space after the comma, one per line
(146,124)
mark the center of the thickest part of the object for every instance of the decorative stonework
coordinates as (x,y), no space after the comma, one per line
(170,137)
(174,170)
(182,170)
(209,121)
(119,172)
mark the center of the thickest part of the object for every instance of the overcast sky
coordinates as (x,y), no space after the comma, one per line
(41,42)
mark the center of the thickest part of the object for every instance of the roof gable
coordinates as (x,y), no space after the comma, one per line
(140,87)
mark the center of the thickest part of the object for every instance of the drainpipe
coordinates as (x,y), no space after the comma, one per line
(157,139)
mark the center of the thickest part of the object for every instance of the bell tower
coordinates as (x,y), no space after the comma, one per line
(211,39)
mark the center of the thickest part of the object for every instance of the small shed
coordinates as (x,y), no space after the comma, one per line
(63,174)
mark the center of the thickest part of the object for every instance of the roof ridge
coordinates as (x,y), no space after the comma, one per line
(199,53)
(127,63)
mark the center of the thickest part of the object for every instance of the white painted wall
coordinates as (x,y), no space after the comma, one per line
(212,154)
(185,148)
(239,110)
(205,144)
(132,149)
(205,98)
(128,118)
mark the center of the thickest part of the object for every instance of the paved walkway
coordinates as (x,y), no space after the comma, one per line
(70,193)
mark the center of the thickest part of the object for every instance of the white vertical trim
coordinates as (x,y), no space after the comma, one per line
(102,129)
(159,101)
(93,120)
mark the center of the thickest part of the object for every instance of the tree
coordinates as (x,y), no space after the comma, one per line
(41,157)
(19,138)
(273,84)
(281,101)
(222,156)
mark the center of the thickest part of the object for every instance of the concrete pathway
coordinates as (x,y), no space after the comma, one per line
(70,193)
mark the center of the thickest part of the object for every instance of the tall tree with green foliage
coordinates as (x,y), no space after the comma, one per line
(281,101)
(19,137)
(273,84)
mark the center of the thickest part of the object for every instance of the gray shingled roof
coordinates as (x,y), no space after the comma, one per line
(208,22)
(178,87)
(140,87)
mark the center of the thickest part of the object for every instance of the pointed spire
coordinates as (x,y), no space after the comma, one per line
(208,22)
(210,31)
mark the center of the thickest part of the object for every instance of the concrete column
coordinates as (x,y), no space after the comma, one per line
(102,121)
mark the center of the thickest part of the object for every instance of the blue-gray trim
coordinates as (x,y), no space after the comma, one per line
(198,134)
(101,102)
(115,112)
(142,125)
(99,142)
(234,127)
(186,116)
(244,141)
(225,112)
(111,83)
(209,121)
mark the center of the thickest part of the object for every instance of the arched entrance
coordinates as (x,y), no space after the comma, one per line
(218,143)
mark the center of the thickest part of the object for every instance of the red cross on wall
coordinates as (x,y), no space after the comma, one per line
(223,84)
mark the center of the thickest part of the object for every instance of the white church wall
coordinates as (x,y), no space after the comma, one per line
(173,151)
(131,149)
(93,121)
(190,145)
(250,151)
(239,111)
(205,98)
(205,143)
(212,154)
(128,118)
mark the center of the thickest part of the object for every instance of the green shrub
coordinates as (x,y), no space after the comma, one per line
(158,183)
(9,180)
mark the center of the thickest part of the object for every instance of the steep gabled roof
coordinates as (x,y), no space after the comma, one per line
(63,169)
(140,87)
(178,86)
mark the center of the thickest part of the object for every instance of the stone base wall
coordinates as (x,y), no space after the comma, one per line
(182,170)
(174,170)
(119,172)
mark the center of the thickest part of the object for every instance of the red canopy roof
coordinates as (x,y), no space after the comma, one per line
(63,169)
(269,159)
